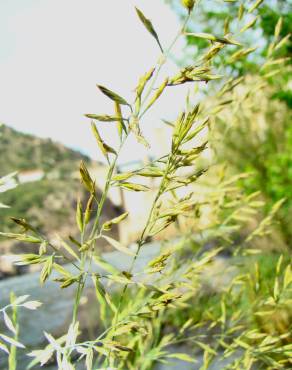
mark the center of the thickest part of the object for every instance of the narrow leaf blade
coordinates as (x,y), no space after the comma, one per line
(149,26)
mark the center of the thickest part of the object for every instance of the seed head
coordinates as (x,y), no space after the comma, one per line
(189,4)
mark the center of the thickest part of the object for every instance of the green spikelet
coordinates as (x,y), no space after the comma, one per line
(189,4)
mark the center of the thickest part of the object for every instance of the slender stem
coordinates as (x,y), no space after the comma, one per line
(106,189)
(94,231)
(140,244)
(162,183)
(80,284)
(159,192)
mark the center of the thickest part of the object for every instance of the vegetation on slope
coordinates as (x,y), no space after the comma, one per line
(30,152)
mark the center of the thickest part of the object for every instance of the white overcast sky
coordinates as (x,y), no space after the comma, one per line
(53,52)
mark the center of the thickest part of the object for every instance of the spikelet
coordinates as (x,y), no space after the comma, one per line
(188,4)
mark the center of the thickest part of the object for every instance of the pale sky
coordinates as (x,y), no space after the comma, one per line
(54,52)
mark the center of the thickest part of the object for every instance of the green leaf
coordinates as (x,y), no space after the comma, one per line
(74,241)
(69,282)
(278,27)
(157,94)
(32,305)
(287,276)
(11,341)
(72,334)
(113,96)
(20,299)
(8,322)
(120,120)
(86,178)
(255,5)
(28,259)
(203,35)
(89,359)
(79,216)
(123,176)
(126,328)
(105,265)
(52,341)
(143,81)
(279,265)
(120,279)
(118,346)
(210,37)
(22,237)
(103,118)
(282,42)
(88,209)
(249,25)
(99,290)
(108,225)
(47,269)
(22,222)
(182,356)
(117,245)
(150,172)
(206,348)
(105,149)
(69,249)
(240,12)
(103,297)
(60,269)
(4,348)
(40,356)
(148,25)
(133,187)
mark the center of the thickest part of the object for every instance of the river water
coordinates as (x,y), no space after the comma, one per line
(55,314)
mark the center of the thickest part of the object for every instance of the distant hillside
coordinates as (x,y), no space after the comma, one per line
(50,202)
(19,151)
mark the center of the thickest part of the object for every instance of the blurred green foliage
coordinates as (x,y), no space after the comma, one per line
(30,200)
(255,137)
(212,19)
(265,152)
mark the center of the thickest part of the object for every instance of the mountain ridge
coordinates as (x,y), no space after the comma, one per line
(22,151)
